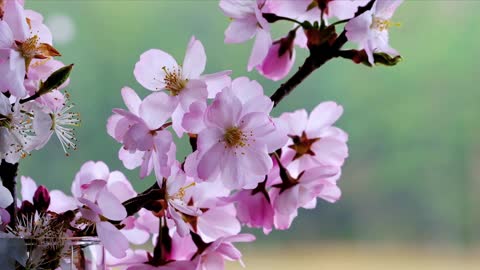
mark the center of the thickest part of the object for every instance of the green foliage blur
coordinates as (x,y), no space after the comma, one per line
(414,169)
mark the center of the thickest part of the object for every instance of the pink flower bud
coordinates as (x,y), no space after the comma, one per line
(41,199)
(280,58)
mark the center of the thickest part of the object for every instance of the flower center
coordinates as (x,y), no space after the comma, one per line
(302,145)
(28,48)
(174,80)
(234,137)
(181,192)
(382,24)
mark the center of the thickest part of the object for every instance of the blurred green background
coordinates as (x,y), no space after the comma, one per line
(413,176)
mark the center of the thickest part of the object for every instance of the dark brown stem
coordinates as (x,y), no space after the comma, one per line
(8,174)
(30,98)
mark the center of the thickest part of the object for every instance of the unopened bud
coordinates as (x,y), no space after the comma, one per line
(41,199)
(55,80)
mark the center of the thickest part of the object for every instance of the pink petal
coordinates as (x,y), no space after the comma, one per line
(209,162)
(329,151)
(6,36)
(112,239)
(111,206)
(260,48)
(130,160)
(276,67)
(216,82)
(16,19)
(193,119)
(117,126)
(28,188)
(6,198)
(218,222)
(195,59)
(238,8)
(131,99)
(213,261)
(138,137)
(324,115)
(119,185)
(287,201)
(149,69)
(225,110)
(156,109)
(240,30)
(59,202)
(246,89)
(12,68)
(196,90)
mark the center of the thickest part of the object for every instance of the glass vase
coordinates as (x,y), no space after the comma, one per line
(79,253)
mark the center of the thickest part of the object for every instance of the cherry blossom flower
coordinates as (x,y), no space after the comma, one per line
(214,256)
(309,10)
(141,129)
(178,208)
(157,70)
(238,137)
(217,219)
(20,43)
(93,187)
(370,30)
(17,134)
(56,118)
(280,58)
(313,139)
(248,22)
(254,208)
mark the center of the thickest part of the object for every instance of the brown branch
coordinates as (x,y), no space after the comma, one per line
(319,55)
(8,174)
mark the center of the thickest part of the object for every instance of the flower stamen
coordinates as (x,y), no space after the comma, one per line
(174,81)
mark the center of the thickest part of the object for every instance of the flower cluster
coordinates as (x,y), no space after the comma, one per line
(247,168)
(313,25)
(31,106)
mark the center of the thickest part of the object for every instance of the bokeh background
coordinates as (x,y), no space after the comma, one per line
(411,185)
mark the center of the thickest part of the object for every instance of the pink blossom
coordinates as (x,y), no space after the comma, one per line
(280,58)
(248,22)
(93,187)
(178,207)
(214,256)
(53,115)
(141,129)
(254,208)
(370,30)
(297,9)
(157,70)
(20,43)
(314,140)
(238,138)
(17,135)
(217,219)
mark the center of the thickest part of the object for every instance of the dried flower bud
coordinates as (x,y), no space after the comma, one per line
(27,209)
(41,199)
